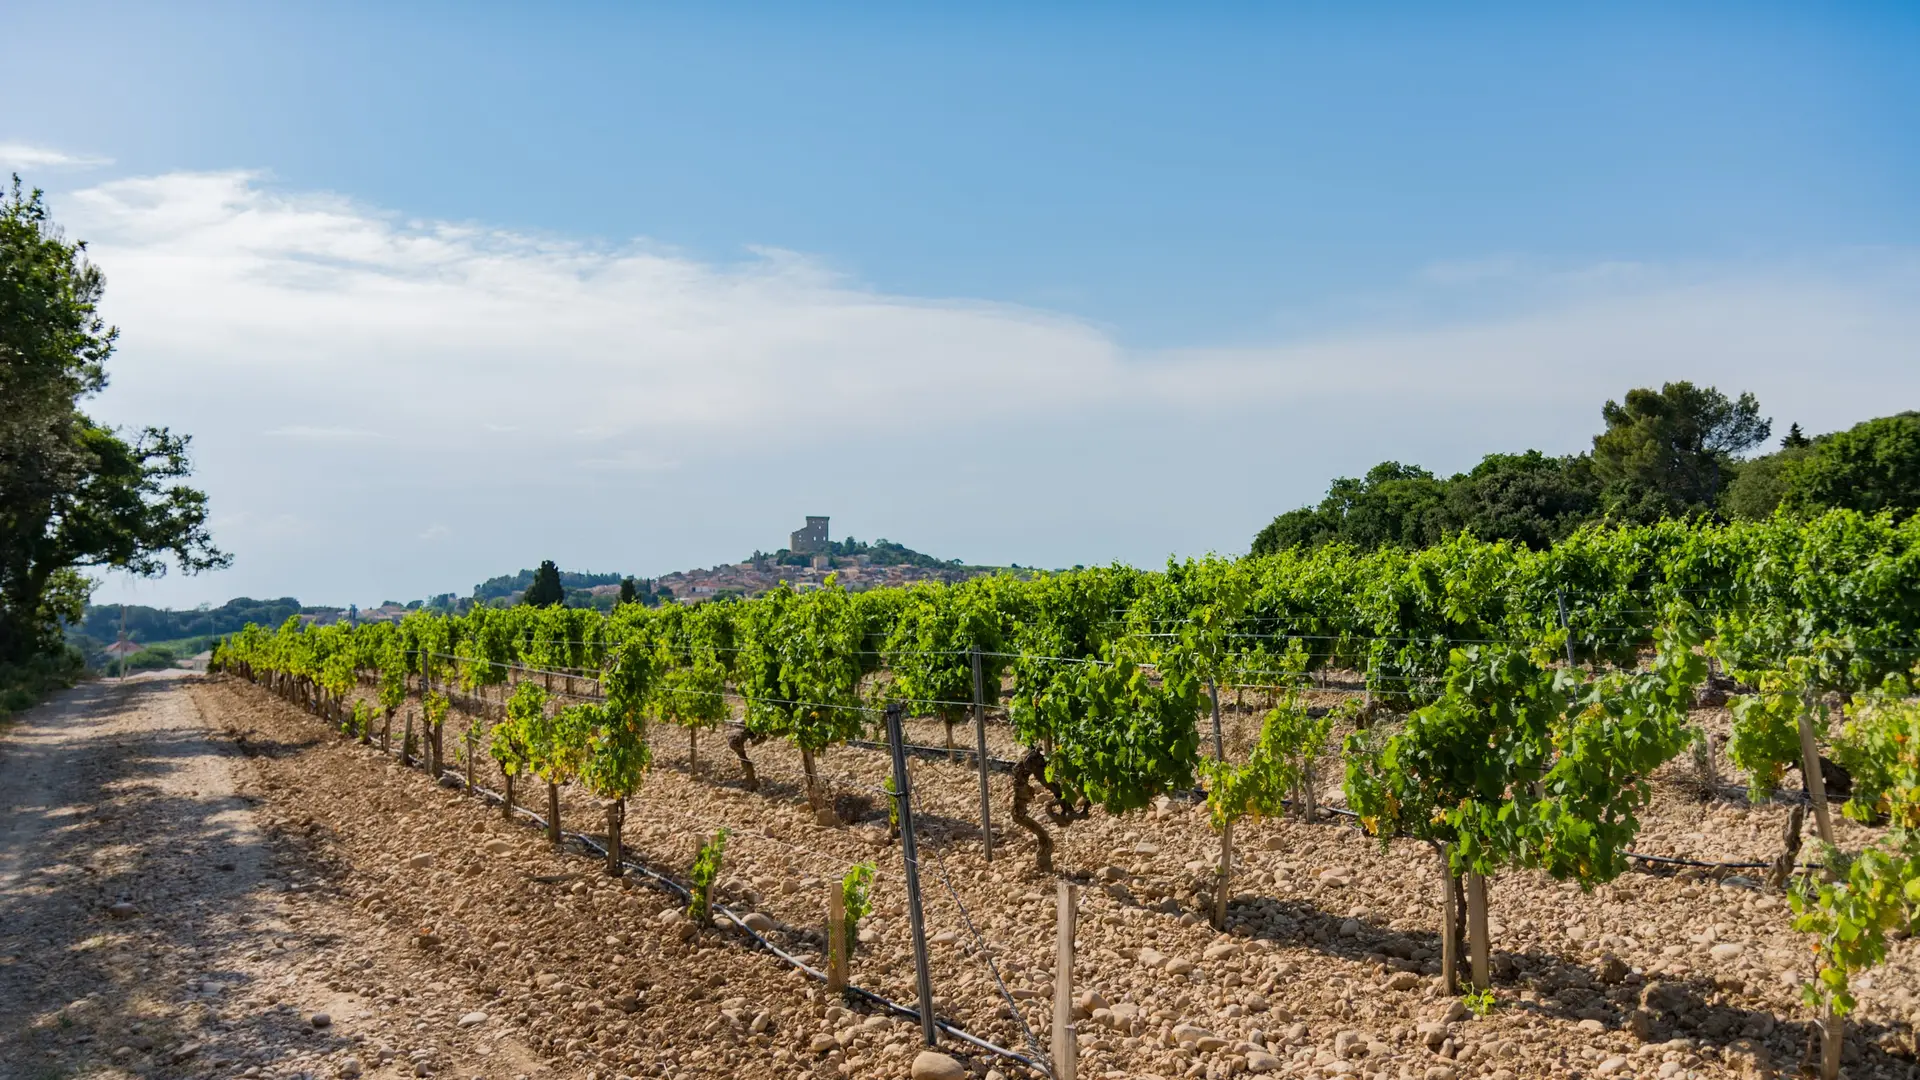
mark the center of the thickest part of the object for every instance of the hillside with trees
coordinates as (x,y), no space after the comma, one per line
(1678,452)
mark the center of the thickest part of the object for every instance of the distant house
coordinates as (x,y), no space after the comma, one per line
(122,649)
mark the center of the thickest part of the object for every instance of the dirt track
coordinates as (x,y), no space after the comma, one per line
(121,793)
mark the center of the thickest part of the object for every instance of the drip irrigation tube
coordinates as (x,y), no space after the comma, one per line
(662,881)
(1665,860)
(916,749)
(673,887)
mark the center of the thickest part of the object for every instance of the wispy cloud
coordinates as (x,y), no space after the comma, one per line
(15,155)
(486,371)
(630,461)
(322,433)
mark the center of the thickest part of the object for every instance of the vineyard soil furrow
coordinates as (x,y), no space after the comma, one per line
(1329,953)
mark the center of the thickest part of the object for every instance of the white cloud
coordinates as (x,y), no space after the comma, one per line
(15,155)
(436,327)
(637,409)
(323,433)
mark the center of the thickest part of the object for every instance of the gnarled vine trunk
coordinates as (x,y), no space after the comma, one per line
(1029,767)
(616,817)
(506,803)
(816,798)
(737,742)
(1452,920)
(1789,857)
(553,813)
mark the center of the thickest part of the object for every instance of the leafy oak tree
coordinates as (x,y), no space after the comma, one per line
(74,494)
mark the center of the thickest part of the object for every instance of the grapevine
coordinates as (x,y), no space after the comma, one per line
(856,895)
(706,870)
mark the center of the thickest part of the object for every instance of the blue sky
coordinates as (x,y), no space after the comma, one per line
(1134,278)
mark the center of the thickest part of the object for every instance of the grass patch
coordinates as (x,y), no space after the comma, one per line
(23,685)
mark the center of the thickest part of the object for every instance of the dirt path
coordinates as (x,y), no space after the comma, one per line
(154,923)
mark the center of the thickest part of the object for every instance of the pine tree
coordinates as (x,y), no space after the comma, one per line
(628,593)
(546,590)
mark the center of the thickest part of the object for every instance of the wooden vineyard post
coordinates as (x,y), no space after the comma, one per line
(616,817)
(1449,922)
(836,939)
(1223,888)
(902,786)
(1810,769)
(1833,1027)
(980,747)
(1066,1040)
(1477,944)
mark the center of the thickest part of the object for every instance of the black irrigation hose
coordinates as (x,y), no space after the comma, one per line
(674,887)
(669,885)
(916,749)
(919,750)
(1667,860)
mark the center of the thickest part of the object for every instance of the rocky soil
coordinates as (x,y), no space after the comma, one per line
(1326,968)
(160,917)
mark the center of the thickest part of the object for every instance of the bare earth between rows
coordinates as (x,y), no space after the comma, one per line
(269,871)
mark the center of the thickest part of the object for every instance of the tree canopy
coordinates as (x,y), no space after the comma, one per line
(546,590)
(1671,453)
(1870,467)
(74,494)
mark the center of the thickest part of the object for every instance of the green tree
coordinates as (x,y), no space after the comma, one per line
(73,493)
(1389,505)
(1529,498)
(1760,484)
(546,590)
(1671,452)
(628,592)
(1870,467)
